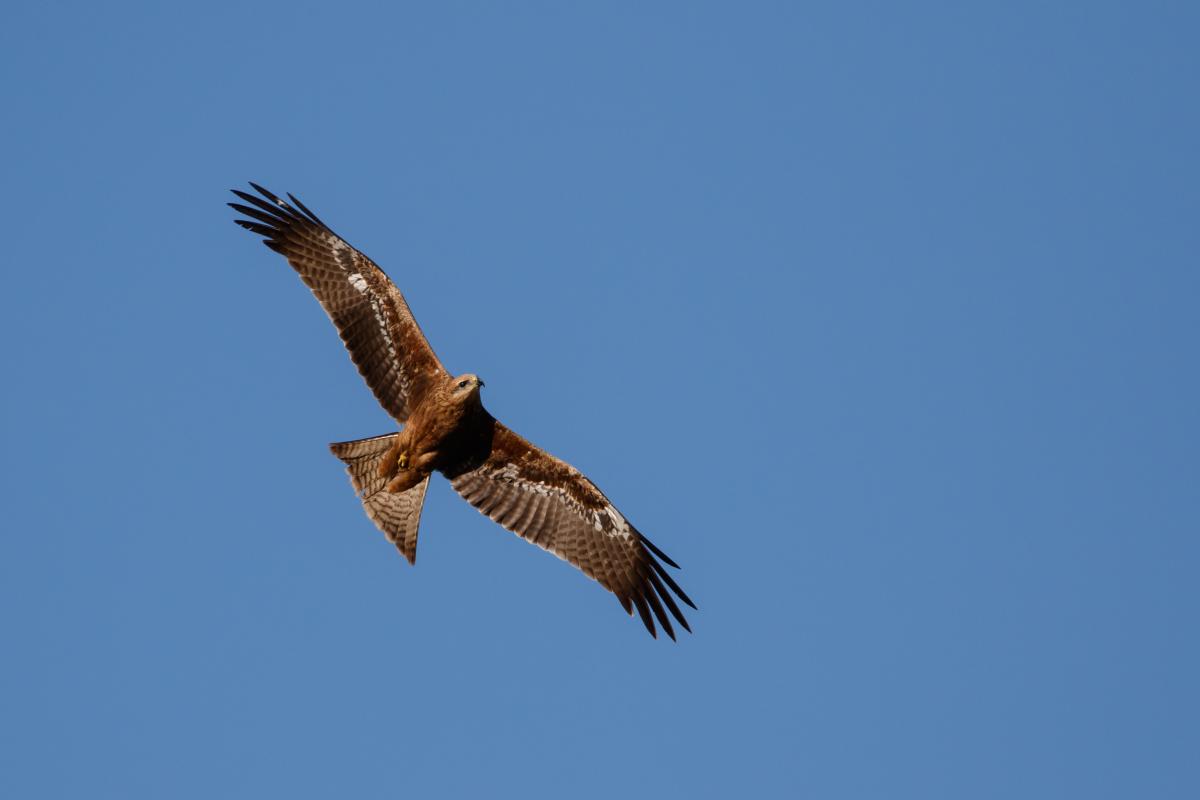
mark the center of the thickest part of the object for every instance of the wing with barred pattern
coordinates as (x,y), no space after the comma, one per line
(370,313)
(548,502)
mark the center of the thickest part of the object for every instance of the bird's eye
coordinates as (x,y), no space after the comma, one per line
(462,384)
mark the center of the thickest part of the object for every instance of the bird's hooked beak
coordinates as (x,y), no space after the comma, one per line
(481,383)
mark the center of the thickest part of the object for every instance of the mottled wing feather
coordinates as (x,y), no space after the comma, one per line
(398,514)
(370,313)
(553,505)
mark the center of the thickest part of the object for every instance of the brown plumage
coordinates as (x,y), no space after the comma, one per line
(446,429)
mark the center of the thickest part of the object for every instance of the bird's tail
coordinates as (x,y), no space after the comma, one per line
(398,514)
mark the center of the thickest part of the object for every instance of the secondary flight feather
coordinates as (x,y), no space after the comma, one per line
(446,429)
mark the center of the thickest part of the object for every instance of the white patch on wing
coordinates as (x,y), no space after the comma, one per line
(359,282)
(511,474)
(620,527)
(387,337)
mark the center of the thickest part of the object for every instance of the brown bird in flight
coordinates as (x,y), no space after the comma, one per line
(446,428)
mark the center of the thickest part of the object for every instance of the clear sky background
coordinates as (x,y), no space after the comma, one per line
(881,320)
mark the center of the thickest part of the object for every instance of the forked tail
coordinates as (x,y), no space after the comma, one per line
(398,515)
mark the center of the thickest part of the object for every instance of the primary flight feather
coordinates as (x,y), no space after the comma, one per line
(446,428)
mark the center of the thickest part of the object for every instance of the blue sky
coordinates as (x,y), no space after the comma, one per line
(881,320)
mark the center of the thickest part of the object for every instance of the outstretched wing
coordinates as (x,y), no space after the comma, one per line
(552,504)
(368,310)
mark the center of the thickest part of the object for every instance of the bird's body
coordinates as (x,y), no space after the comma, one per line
(436,434)
(446,429)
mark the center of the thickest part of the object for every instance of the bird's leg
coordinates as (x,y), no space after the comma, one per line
(416,471)
(396,456)
(387,464)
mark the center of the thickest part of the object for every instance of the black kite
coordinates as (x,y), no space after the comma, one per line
(446,428)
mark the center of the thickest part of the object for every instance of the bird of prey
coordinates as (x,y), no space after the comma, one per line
(446,428)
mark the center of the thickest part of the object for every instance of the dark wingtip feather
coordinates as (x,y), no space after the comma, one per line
(666,576)
(254,213)
(644,612)
(275,218)
(267,194)
(663,619)
(656,551)
(279,213)
(666,596)
(254,227)
(270,209)
(306,210)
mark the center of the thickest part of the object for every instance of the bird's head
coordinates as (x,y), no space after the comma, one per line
(466,386)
